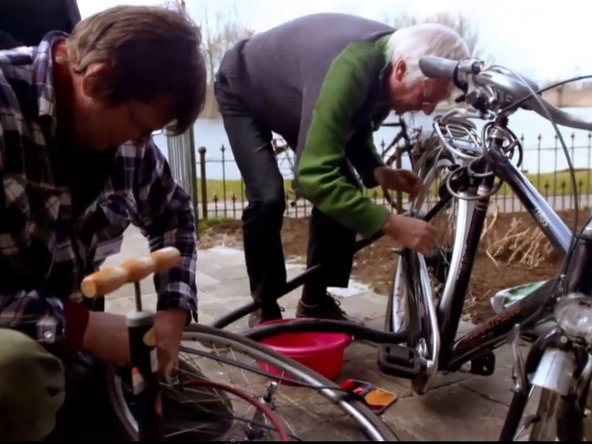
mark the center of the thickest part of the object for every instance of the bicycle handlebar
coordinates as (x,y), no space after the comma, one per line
(110,279)
(496,87)
(456,70)
(433,66)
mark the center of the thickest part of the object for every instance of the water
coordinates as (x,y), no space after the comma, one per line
(210,133)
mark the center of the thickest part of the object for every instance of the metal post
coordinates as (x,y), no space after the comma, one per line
(203,179)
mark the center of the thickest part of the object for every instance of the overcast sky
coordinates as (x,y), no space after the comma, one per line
(544,40)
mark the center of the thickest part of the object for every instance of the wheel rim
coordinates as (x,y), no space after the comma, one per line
(305,412)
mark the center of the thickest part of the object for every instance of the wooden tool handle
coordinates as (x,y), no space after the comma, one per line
(110,279)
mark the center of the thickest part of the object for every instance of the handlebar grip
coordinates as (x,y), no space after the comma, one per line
(433,66)
(132,270)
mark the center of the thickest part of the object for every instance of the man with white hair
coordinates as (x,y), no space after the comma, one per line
(325,82)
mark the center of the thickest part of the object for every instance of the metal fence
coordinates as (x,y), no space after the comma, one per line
(222,195)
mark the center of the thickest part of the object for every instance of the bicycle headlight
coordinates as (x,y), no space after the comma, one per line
(574,316)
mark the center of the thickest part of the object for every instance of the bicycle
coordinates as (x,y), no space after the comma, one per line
(420,340)
(227,387)
(408,142)
(403,142)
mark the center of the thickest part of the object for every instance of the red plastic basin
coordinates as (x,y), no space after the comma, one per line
(320,351)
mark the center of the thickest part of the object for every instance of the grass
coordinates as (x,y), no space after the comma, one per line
(204,224)
(558,182)
(229,188)
(554,183)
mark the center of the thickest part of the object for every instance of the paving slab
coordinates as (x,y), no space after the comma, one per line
(448,413)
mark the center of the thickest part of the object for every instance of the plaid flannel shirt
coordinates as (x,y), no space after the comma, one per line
(46,250)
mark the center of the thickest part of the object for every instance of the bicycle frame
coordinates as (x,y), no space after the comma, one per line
(454,354)
(485,337)
(482,339)
(403,133)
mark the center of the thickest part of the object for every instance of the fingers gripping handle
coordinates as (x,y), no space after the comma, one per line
(110,279)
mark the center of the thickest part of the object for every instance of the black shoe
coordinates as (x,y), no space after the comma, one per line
(326,308)
(266,313)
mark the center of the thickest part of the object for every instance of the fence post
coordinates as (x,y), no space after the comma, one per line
(399,194)
(204,181)
(588,171)
(223,150)
(193,176)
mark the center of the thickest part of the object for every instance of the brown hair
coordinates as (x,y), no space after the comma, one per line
(153,51)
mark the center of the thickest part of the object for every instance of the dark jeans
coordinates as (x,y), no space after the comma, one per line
(330,243)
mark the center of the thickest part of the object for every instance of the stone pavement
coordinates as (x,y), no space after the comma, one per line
(460,407)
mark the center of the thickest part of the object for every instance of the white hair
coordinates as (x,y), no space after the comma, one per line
(413,42)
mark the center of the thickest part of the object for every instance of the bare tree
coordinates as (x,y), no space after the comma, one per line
(218,38)
(458,22)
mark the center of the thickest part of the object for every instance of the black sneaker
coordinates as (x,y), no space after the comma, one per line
(327,308)
(266,313)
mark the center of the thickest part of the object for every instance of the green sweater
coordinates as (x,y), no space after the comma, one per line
(345,89)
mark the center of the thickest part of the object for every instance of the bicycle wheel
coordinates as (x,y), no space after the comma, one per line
(310,406)
(419,282)
(432,168)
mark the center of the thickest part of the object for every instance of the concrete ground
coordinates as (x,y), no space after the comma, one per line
(460,407)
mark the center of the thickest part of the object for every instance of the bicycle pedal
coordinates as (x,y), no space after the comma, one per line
(399,360)
(484,365)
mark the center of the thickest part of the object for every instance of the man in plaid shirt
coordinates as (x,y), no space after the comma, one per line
(78,165)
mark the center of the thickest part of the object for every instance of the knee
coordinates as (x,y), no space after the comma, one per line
(269,208)
(273,205)
(31,387)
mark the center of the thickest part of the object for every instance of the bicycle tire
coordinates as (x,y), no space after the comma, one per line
(406,292)
(311,417)
(425,167)
(265,410)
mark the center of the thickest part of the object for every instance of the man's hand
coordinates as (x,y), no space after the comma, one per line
(106,337)
(400,180)
(168,327)
(412,233)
